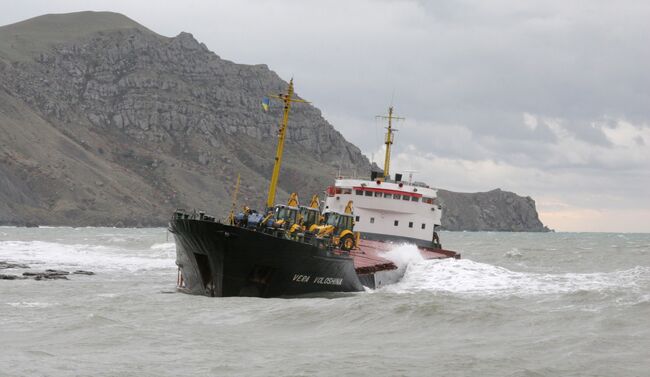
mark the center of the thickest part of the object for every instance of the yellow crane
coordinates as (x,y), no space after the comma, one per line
(287,99)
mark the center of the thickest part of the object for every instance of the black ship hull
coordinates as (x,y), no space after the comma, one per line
(215,259)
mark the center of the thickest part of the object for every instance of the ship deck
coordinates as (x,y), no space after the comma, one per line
(369,256)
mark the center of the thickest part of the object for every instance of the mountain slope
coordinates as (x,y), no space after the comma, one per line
(104,122)
(144,123)
(25,39)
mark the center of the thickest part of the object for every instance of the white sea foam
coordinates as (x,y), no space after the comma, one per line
(513,253)
(468,277)
(81,256)
(163,250)
(403,254)
(163,246)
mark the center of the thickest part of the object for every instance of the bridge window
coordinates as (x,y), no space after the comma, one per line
(372,220)
(397,196)
(368,193)
(396,223)
(388,196)
(427,200)
(347,191)
(358,192)
(410,224)
(423,225)
(415,199)
(405,197)
(378,194)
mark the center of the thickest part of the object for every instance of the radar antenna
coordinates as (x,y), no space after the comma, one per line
(410,175)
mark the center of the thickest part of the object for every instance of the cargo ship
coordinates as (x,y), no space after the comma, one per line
(338,245)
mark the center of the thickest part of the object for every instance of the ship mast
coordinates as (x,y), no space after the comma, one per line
(287,99)
(231,218)
(389,139)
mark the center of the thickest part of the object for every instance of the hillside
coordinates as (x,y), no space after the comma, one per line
(105,122)
(494,210)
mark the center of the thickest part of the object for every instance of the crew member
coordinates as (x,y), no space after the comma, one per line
(436,239)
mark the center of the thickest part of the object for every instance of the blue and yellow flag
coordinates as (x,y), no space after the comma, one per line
(266,102)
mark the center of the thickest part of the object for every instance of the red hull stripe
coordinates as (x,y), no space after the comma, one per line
(386,191)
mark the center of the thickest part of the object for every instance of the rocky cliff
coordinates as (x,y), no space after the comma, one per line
(104,122)
(494,210)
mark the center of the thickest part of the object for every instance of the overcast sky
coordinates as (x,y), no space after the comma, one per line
(549,99)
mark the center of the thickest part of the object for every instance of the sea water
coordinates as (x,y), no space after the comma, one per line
(516,304)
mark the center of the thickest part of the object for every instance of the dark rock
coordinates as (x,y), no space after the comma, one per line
(82,272)
(5,265)
(57,272)
(11,277)
(50,277)
(47,275)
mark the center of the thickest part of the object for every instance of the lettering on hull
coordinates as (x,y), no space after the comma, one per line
(322,280)
(328,281)
(301,278)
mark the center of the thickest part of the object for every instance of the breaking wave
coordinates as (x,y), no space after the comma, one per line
(404,254)
(465,276)
(167,249)
(40,254)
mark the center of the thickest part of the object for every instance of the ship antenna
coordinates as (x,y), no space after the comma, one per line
(410,175)
(231,218)
(287,99)
(389,138)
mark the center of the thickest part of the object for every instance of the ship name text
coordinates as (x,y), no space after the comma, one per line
(317,280)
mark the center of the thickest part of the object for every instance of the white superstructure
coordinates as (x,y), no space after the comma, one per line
(388,210)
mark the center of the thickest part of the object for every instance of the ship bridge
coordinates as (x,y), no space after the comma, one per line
(388,210)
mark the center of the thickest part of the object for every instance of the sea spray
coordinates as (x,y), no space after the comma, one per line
(87,256)
(474,278)
(403,254)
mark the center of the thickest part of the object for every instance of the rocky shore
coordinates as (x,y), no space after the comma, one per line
(48,274)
